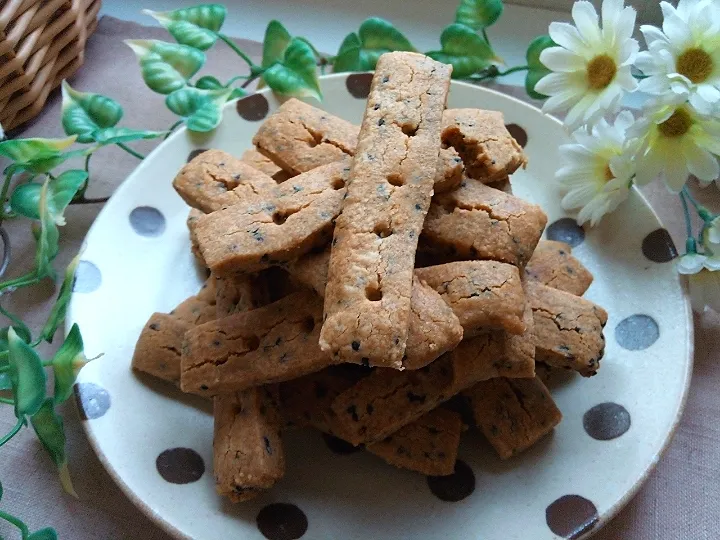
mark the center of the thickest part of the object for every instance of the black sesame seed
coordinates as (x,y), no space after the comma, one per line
(356,345)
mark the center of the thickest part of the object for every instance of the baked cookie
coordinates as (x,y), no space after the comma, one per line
(568,329)
(159,347)
(248,456)
(554,266)
(265,165)
(367,299)
(513,414)
(215,179)
(488,150)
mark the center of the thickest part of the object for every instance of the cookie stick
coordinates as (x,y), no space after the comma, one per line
(553,265)
(367,300)
(265,165)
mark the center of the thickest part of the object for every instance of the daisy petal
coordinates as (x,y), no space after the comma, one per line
(552,84)
(586,20)
(562,101)
(652,34)
(624,24)
(656,84)
(701,163)
(559,59)
(566,35)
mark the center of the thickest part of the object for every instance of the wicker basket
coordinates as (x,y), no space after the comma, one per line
(42,42)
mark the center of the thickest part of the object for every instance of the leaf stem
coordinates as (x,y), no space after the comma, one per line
(24,531)
(229,42)
(5,439)
(236,78)
(703,212)
(485,37)
(512,70)
(83,200)
(131,151)
(173,128)
(7,401)
(250,80)
(3,196)
(686,211)
(21,281)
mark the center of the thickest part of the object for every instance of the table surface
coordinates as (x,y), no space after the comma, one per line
(679,500)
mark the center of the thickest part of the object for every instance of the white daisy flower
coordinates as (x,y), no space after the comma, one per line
(675,140)
(703,280)
(591,65)
(598,169)
(684,58)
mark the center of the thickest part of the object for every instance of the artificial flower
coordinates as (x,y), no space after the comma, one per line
(711,237)
(684,58)
(675,140)
(591,67)
(597,170)
(703,280)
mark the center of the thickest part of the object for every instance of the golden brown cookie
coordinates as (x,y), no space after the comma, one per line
(367,299)
(215,179)
(248,456)
(159,347)
(554,266)
(568,329)
(513,413)
(479,222)
(265,165)
(289,221)
(483,294)
(488,150)
(266,345)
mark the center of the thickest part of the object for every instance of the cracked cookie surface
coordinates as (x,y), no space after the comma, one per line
(552,264)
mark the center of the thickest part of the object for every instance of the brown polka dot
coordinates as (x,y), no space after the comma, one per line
(606,421)
(659,247)
(571,516)
(253,108)
(338,446)
(637,332)
(566,230)
(455,487)
(282,521)
(358,84)
(195,153)
(518,133)
(93,401)
(180,465)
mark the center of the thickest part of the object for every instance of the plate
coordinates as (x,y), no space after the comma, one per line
(157,443)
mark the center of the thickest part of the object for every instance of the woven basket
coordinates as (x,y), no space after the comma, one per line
(42,42)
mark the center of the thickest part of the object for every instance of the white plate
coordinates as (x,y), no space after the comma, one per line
(138,261)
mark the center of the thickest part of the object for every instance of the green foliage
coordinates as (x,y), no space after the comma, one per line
(84,113)
(47,239)
(201,109)
(115,135)
(536,69)
(43,534)
(59,309)
(465,50)
(360,52)
(27,376)
(36,155)
(166,67)
(196,26)
(289,63)
(25,200)
(66,364)
(49,429)
(478,14)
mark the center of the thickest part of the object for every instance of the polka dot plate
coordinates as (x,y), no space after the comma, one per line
(157,443)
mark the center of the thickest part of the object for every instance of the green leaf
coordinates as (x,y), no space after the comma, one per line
(116,135)
(236,93)
(201,109)
(48,426)
(28,150)
(25,200)
(5,382)
(376,37)
(464,49)
(83,113)
(478,14)
(67,362)
(47,241)
(208,82)
(348,56)
(537,69)
(59,309)
(276,41)
(296,74)
(207,16)
(20,329)
(43,534)
(192,35)
(166,67)
(27,376)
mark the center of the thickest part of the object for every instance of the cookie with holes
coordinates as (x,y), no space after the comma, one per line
(288,221)
(367,298)
(215,179)
(270,344)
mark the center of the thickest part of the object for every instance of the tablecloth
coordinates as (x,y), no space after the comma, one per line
(679,500)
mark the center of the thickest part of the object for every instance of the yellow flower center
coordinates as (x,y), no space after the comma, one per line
(695,64)
(677,125)
(601,71)
(608,173)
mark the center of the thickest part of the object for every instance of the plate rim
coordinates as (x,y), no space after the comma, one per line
(604,519)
